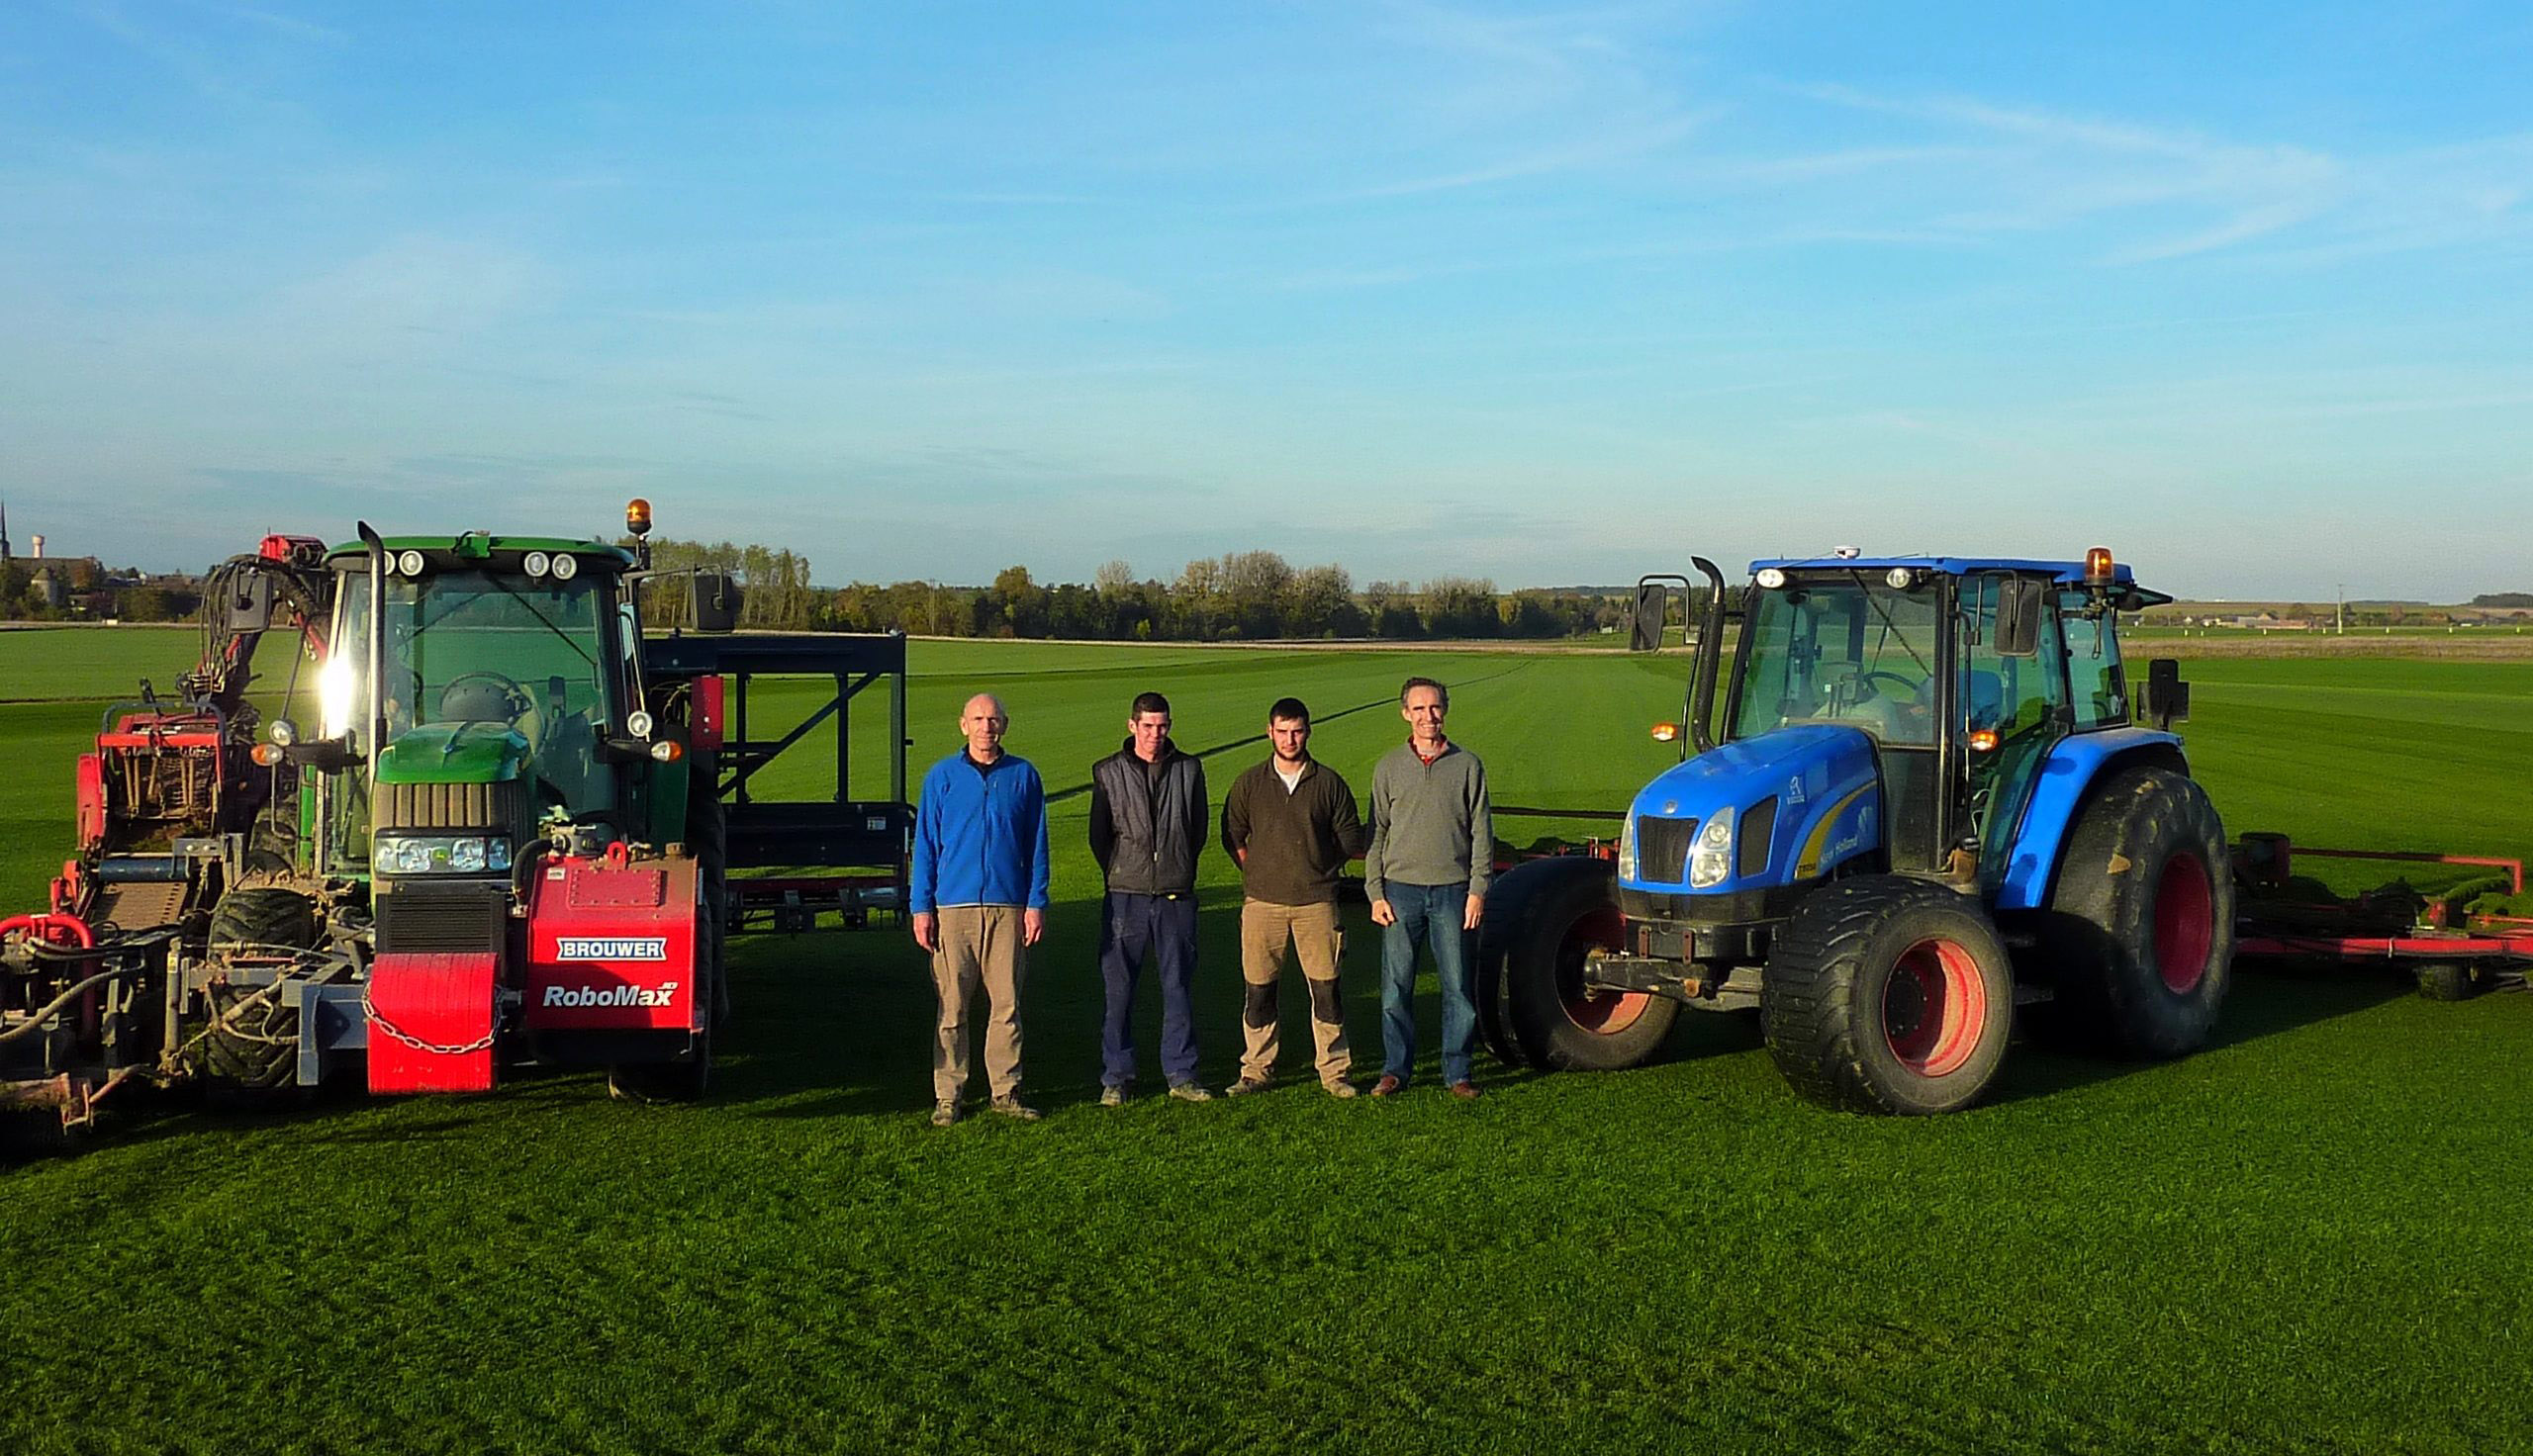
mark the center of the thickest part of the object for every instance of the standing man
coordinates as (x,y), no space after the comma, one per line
(1433,848)
(1293,826)
(1148,814)
(978,893)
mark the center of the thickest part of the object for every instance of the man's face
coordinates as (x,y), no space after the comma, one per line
(1149,729)
(1424,712)
(1292,737)
(984,722)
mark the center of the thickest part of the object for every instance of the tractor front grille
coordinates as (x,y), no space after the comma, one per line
(444,919)
(492,807)
(1663,849)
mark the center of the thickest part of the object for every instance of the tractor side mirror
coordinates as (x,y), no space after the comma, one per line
(716,596)
(249,605)
(2019,603)
(1644,627)
(2162,699)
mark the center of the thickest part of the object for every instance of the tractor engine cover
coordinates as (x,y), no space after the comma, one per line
(611,945)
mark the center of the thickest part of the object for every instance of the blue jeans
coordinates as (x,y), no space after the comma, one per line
(1164,925)
(1438,914)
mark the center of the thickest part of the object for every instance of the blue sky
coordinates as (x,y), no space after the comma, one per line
(1547,296)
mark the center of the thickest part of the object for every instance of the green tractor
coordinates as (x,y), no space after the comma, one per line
(507,839)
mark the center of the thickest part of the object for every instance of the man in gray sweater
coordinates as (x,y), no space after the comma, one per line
(1433,848)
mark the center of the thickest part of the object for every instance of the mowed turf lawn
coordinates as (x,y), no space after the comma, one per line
(2310,1236)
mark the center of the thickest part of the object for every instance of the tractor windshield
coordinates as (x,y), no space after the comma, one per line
(1841,649)
(492,647)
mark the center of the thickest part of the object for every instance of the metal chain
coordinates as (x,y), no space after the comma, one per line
(434,1048)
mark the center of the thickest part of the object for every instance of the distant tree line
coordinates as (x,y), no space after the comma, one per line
(1240,595)
(2504,599)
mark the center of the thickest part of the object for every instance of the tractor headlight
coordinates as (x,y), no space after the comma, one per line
(537,563)
(1626,849)
(441,853)
(566,566)
(1711,859)
(410,563)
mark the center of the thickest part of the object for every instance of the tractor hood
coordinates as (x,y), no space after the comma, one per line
(1801,799)
(454,753)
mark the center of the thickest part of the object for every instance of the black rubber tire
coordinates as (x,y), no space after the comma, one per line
(1826,1000)
(1570,905)
(2109,931)
(665,1081)
(2449,980)
(1508,899)
(263,917)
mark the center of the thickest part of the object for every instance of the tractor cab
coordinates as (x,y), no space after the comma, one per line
(1918,794)
(499,676)
(1896,710)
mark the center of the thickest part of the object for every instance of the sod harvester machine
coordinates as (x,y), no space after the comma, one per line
(1925,802)
(507,841)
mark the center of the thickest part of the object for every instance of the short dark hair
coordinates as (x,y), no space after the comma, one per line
(1150,703)
(1412,684)
(1289,710)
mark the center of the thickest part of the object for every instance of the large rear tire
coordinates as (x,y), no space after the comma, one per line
(1888,995)
(2140,933)
(1568,906)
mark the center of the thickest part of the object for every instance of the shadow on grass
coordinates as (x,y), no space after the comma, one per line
(2265,1001)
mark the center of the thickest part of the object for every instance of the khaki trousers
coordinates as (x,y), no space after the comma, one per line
(1312,932)
(981,958)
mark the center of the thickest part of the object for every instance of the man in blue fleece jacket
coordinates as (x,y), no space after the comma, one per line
(978,890)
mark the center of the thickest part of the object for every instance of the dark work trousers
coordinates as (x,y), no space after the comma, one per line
(1166,926)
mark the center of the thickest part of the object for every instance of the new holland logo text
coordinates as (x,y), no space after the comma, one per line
(614,947)
(579,996)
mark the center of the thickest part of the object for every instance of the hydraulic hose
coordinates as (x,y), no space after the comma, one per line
(36,1021)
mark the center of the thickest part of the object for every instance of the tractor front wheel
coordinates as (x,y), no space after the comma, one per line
(1557,911)
(250,1051)
(1888,995)
(2140,933)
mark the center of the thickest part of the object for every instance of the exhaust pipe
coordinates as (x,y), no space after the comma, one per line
(375,729)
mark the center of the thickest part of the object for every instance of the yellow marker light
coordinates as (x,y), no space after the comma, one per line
(266,754)
(1665,732)
(637,516)
(2098,565)
(1983,740)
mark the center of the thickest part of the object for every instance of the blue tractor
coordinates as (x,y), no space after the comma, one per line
(1922,797)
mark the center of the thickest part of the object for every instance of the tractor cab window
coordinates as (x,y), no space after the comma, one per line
(2097,685)
(500,647)
(1842,649)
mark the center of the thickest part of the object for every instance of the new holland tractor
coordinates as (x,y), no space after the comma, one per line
(1921,799)
(503,841)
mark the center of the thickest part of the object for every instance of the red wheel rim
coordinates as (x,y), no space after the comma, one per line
(1602,1013)
(2185,923)
(1934,1007)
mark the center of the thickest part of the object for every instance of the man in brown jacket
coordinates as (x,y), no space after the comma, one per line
(1291,825)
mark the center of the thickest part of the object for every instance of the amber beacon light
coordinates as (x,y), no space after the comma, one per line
(637,516)
(2098,565)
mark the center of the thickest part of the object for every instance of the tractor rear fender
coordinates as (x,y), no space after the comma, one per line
(2066,783)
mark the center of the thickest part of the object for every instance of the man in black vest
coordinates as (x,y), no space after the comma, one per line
(1148,817)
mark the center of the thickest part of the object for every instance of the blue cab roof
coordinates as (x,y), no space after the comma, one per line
(2071,573)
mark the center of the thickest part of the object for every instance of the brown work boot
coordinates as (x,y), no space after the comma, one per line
(1464,1091)
(1013,1107)
(1248,1087)
(1340,1088)
(1388,1087)
(944,1114)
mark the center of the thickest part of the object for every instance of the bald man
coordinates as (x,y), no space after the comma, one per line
(978,890)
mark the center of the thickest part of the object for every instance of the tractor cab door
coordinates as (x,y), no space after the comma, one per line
(2011,704)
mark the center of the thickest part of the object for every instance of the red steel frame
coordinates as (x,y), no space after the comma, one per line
(2507,938)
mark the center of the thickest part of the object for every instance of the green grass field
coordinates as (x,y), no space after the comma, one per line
(2308,1237)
